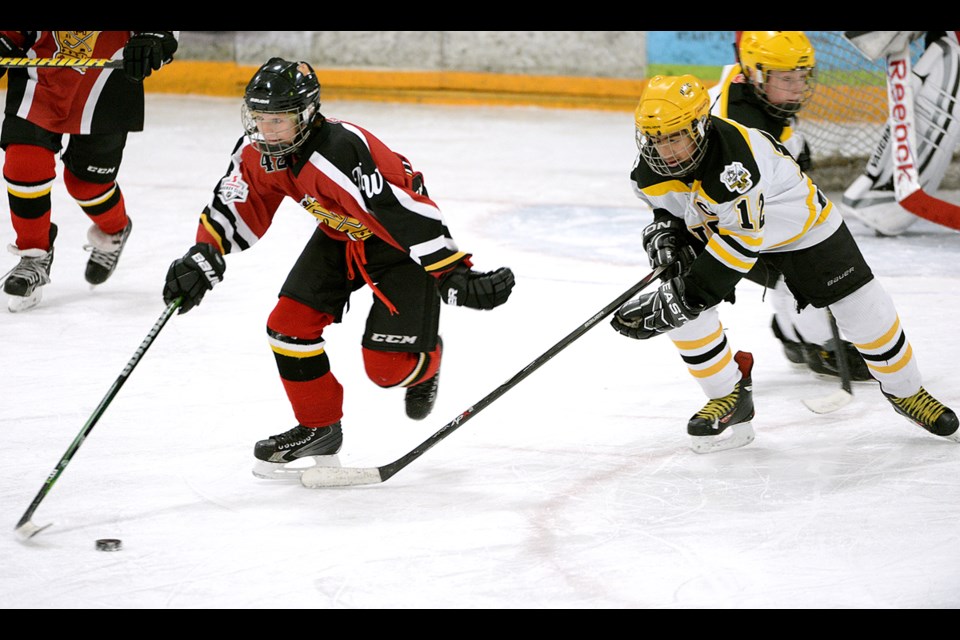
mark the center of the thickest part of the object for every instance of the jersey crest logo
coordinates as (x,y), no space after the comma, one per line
(75,45)
(736,178)
(233,189)
(352,227)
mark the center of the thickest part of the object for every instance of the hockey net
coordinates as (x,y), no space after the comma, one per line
(845,118)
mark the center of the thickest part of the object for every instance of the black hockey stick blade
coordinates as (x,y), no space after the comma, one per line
(321,477)
(25,527)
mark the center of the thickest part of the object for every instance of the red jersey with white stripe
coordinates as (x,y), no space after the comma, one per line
(348,179)
(72,100)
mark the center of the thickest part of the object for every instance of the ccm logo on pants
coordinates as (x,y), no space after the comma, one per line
(392,339)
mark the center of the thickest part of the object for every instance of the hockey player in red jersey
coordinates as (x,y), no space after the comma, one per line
(739,195)
(376,226)
(96,108)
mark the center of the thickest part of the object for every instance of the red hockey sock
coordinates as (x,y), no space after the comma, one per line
(103,203)
(392,368)
(316,403)
(30,172)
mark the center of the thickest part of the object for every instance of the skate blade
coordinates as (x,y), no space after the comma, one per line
(16,304)
(733,437)
(292,470)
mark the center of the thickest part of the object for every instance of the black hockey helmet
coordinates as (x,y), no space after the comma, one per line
(280,88)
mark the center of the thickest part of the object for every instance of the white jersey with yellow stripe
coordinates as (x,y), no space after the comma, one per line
(747,197)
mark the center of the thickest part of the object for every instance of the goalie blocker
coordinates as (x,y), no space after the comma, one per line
(917,145)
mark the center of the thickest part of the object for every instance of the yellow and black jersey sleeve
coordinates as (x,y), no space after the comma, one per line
(730,147)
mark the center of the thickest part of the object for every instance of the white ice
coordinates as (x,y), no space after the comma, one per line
(575,489)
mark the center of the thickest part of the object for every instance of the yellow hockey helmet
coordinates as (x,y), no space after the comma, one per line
(672,121)
(761,52)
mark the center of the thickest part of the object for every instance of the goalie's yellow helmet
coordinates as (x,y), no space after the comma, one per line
(761,52)
(672,121)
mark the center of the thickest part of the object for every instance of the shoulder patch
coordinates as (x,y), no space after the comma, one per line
(233,189)
(736,178)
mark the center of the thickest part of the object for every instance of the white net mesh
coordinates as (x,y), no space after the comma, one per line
(845,118)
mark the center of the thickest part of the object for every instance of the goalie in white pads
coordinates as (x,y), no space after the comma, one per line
(730,194)
(935,83)
(773,79)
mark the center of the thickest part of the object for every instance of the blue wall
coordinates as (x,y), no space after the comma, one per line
(708,48)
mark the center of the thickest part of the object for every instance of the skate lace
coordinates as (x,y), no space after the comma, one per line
(295,435)
(35,271)
(719,407)
(106,259)
(921,407)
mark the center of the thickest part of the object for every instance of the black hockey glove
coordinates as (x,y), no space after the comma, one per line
(462,286)
(665,241)
(193,275)
(654,313)
(146,52)
(8,50)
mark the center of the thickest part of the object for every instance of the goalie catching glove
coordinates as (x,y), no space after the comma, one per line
(657,312)
(191,276)
(463,287)
(146,52)
(665,241)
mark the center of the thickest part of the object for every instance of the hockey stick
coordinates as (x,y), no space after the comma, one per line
(843,397)
(906,176)
(318,477)
(25,528)
(74,63)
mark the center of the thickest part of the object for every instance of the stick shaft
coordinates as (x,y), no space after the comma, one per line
(843,365)
(333,476)
(98,412)
(72,63)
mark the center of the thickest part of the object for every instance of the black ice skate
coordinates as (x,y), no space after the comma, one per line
(824,361)
(724,423)
(311,445)
(926,411)
(105,252)
(420,398)
(791,349)
(24,283)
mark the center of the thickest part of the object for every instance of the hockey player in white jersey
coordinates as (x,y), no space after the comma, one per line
(773,78)
(740,195)
(935,84)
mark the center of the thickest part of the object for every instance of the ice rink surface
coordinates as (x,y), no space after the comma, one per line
(575,489)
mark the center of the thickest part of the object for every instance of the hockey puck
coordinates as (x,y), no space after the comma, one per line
(109,544)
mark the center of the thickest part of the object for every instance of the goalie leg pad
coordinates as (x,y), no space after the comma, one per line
(936,86)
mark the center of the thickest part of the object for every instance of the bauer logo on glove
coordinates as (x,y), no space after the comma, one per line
(462,286)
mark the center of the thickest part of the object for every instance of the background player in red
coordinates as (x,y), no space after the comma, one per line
(97,108)
(377,226)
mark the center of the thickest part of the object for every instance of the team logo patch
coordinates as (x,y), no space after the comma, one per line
(233,189)
(75,45)
(736,177)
